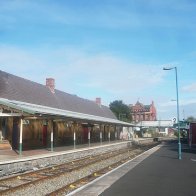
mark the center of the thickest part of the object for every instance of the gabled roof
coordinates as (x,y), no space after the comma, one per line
(140,106)
(44,111)
(20,89)
(35,98)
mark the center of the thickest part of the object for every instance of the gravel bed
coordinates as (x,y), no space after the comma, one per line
(46,186)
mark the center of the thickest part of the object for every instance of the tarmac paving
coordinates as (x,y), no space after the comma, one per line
(158,172)
(10,155)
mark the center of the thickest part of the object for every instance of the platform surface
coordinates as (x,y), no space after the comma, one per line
(11,155)
(155,173)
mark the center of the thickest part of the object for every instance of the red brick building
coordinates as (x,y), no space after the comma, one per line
(140,112)
(192,134)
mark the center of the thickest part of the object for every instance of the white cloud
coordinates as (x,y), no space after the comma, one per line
(89,75)
(79,68)
(123,14)
(190,88)
(183,102)
(22,63)
(107,15)
(188,102)
(112,73)
(168,104)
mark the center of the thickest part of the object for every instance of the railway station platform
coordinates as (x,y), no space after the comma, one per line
(10,155)
(155,172)
(11,162)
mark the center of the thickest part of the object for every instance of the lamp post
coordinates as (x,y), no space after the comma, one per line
(179,144)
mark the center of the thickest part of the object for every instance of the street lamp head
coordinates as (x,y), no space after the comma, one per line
(168,68)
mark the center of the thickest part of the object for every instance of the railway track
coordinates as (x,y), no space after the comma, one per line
(22,184)
(77,184)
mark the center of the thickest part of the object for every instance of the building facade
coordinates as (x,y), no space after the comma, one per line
(33,116)
(140,112)
(192,134)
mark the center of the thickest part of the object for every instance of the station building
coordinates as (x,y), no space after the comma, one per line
(141,112)
(34,116)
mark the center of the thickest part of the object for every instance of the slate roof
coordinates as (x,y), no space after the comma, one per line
(16,88)
(140,106)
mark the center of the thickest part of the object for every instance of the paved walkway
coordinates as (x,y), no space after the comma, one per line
(10,155)
(157,172)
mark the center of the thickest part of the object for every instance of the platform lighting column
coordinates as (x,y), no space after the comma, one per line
(179,143)
(52,137)
(21,131)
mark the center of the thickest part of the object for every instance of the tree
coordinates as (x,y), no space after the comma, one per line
(121,110)
(191,119)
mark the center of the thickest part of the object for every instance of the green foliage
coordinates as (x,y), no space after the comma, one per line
(191,119)
(176,133)
(121,110)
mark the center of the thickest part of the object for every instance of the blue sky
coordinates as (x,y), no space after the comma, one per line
(113,49)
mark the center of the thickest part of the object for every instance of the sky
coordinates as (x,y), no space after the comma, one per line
(113,49)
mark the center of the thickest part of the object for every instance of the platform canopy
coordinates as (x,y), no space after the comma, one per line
(19,108)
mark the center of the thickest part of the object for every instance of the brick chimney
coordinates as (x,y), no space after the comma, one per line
(50,83)
(98,101)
